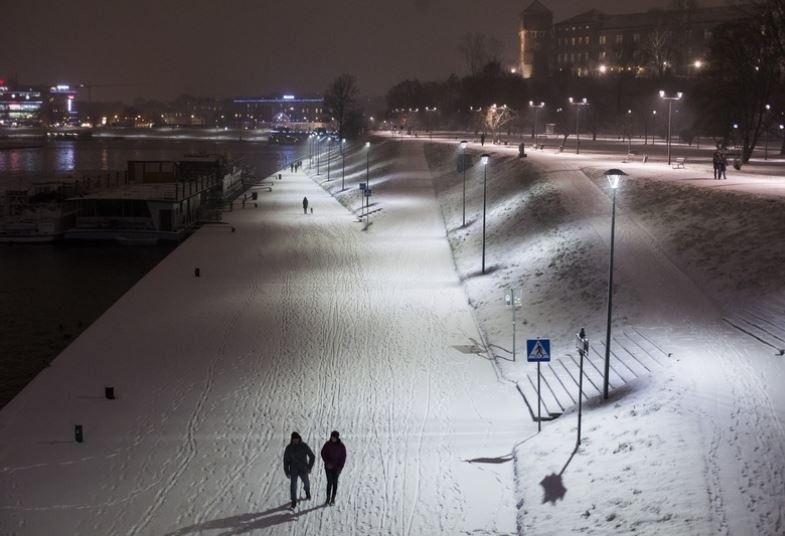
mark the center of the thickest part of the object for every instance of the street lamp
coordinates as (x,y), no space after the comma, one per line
(318,153)
(629,134)
(343,162)
(670,100)
(329,154)
(367,182)
(578,104)
(536,112)
(766,133)
(484,159)
(613,175)
(464,143)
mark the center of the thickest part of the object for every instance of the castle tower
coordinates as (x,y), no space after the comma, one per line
(534,34)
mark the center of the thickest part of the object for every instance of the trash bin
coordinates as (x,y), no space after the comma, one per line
(521,150)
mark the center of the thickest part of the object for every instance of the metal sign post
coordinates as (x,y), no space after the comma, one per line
(582,344)
(514,301)
(368,193)
(538,351)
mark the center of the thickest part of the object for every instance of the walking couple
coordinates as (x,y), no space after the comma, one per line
(298,460)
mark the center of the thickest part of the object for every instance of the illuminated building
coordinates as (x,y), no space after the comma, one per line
(19,107)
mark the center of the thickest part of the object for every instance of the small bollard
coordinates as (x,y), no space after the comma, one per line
(78,433)
(109,393)
(197,272)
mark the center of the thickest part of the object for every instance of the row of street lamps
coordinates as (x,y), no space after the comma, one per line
(614,177)
(582,102)
(315,149)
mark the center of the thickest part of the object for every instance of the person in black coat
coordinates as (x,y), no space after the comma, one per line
(334,456)
(298,460)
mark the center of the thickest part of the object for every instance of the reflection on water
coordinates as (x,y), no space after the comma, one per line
(55,157)
(51,293)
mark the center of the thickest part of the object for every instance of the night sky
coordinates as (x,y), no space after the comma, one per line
(223,48)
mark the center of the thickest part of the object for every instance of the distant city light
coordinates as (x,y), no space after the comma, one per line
(288,97)
(603,69)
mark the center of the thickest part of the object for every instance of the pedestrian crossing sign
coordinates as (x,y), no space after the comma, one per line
(538,350)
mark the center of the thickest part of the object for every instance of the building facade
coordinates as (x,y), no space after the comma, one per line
(651,43)
(535,29)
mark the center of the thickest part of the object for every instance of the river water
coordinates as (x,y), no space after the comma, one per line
(49,293)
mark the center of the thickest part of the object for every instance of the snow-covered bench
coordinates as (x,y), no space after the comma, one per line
(679,163)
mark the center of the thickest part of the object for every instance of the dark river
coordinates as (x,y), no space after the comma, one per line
(49,293)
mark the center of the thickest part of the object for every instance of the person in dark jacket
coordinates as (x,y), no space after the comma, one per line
(298,460)
(334,457)
(305,205)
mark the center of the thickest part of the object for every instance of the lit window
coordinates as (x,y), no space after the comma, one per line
(602,39)
(619,38)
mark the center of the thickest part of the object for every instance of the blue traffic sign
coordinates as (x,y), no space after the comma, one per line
(538,350)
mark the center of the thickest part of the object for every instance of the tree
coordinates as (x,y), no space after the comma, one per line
(496,117)
(745,69)
(479,50)
(340,101)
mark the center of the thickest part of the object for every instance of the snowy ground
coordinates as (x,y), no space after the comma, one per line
(298,322)
(317,322)
(695,447)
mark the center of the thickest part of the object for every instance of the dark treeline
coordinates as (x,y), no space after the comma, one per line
(736,98)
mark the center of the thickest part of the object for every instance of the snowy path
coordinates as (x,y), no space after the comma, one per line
(297,322)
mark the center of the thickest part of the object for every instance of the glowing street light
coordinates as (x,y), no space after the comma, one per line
(367,182)
(670,100)
(766,132)
(464,144)
(484,160)
(537,108)
(629,134)
(329,154)
(578,105)
(343,162)
(614,176)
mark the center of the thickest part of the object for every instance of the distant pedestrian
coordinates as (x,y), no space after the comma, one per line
(482,140)
(305,205)
(723,167)
(311,210)
(715,160)
(334,457)
(298,460)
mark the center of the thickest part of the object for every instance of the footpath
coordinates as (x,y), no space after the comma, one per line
(296,322)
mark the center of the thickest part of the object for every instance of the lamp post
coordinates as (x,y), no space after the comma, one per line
(484,161)
(614,175)
(536,112)
(329,154)
(629,134)
(428,112)
(367,180)
(318,153)
(766,133)
(343,161)
(578,104)
(670,100)
(464,143)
